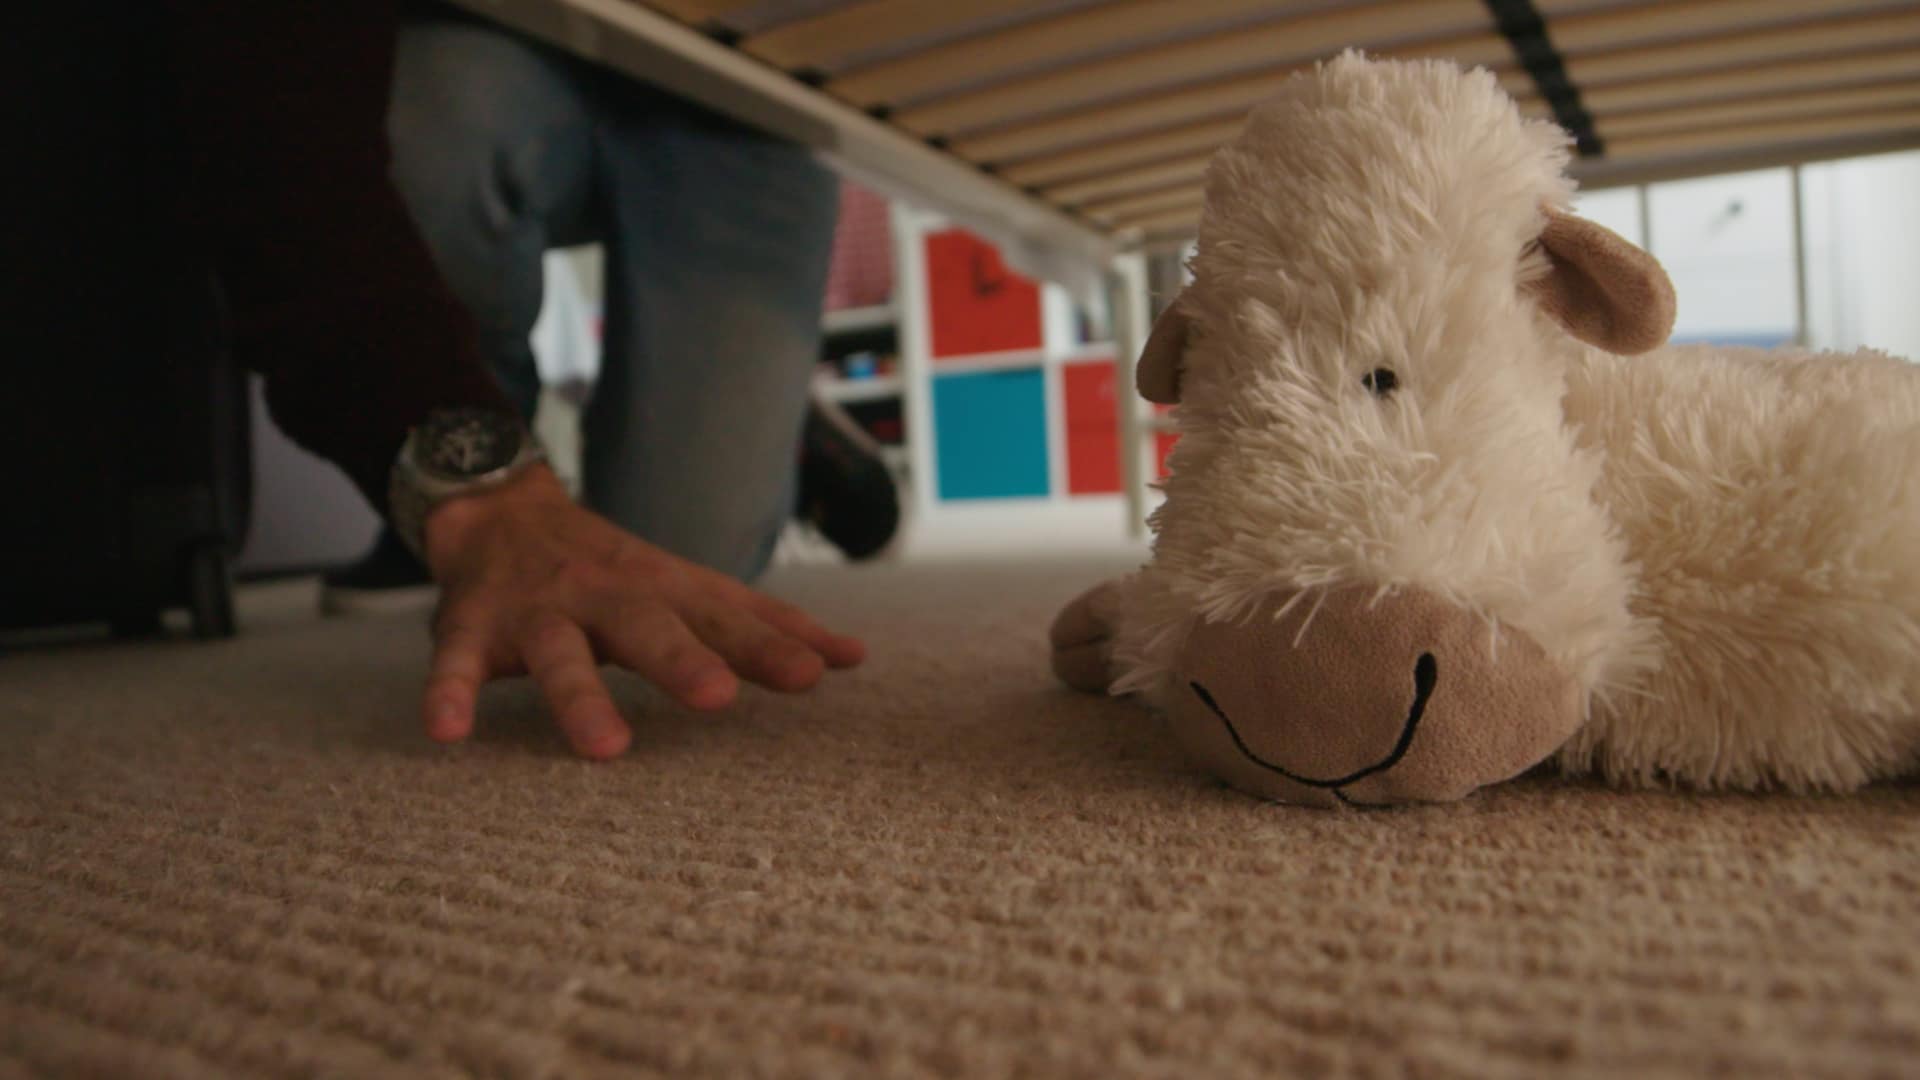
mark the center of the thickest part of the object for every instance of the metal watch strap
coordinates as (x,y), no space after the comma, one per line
(410,496)
(407,508)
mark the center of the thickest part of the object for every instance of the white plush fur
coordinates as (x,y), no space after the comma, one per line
(1772,507)
(1720,549)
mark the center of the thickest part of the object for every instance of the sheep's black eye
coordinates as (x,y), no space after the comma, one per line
(1381,381)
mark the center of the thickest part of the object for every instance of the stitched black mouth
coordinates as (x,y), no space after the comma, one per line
(1425,673)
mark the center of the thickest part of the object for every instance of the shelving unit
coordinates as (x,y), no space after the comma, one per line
(872,400)
(1012,386)
(1003,401)
(856,320)
(872,388)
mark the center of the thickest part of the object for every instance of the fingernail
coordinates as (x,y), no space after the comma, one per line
(711,688)
(607,744)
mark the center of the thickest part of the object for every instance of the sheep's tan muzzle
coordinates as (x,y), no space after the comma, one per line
(1389,699)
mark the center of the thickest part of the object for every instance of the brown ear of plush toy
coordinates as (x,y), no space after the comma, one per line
(1158,375)
(1602,289)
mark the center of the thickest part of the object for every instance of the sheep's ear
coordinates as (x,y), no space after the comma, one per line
(1158,376)
(1603,289)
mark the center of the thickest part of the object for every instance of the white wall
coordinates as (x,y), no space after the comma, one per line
(306,513)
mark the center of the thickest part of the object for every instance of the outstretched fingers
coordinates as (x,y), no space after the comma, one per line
(460,666)
(560,658)
(649,639)
(838,650)
(751,646)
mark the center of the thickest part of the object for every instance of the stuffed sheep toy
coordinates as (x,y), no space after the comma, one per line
(1444,507)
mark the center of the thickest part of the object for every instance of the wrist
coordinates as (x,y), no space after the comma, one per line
(449,528)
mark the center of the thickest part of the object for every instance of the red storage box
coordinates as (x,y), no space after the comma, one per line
(977,304)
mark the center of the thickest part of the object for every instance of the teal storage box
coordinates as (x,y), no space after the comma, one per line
(991,434)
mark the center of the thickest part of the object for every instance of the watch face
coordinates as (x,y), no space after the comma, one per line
(466,443)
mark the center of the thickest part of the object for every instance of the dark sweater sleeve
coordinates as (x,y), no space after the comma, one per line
(280,109)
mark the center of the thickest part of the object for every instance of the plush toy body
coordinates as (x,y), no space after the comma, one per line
(1438,514)
(1771,509)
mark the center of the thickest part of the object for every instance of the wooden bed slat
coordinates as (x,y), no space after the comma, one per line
(1206,135)
(848,31)
(1167,207)
(1518,84)
(1826,71)
(1150,202)
(1666,19)
(1773,107)
(1172,208)
(1119,154)
(1271,45)
(1101,190)
(1234,95)
(1553,9)
(1105,122)
(1780,132)
(699,11)
(1179,218)
(1055,38)
(1755,47)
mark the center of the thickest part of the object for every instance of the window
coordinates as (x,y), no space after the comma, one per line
(1863,253)
(1728,244)
(1614,208)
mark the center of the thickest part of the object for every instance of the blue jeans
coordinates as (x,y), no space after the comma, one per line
(716,240)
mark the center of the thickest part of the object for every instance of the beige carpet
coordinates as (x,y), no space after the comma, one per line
(240,859)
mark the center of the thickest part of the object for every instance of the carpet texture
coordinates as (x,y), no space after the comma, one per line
(241,859)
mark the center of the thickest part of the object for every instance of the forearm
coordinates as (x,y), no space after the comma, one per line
(282,165)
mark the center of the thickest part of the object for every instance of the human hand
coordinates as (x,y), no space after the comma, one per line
(532,583)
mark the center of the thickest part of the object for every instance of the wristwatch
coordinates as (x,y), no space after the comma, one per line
(451,454)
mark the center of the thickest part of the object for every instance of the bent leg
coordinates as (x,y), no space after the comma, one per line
(717,249)
(492,150)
